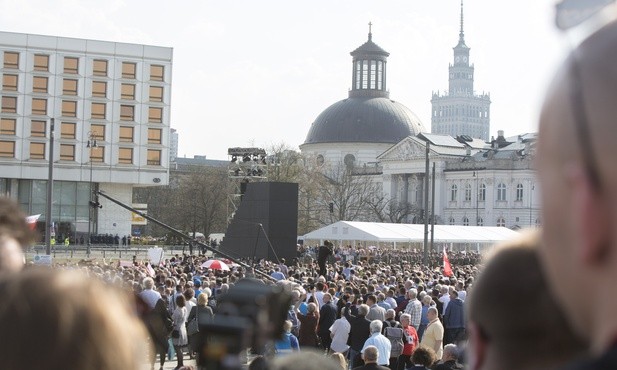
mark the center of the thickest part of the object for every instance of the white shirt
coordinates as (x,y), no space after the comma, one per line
(383,347)
(445,299)
(340,330)
(150,297)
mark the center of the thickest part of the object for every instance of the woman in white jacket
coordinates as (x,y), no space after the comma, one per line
(179,336)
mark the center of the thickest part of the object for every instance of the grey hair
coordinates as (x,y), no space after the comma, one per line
(433,310)
(363,310)
(451,350)
(413,293)
(148,283)
(376,326)
(390,314)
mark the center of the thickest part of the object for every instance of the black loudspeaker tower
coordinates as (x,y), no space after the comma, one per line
(268,211)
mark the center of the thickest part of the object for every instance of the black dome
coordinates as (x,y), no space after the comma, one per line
(366,120)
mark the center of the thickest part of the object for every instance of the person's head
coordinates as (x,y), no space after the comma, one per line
(371,300)
(74,322)
(148,283)
(370,354)
(450,352)
(405,320)
(189,294)
(287,325)
(311,307)
(363,310)
(432,313)
(390,314)
(180,300)
(339,359)
(412,293)
(327,297)
(576,148)
(453,294)
(424,356)
(202,299)
(426,300)
(376,326)
(512,285)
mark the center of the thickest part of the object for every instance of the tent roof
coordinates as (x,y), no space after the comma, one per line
(383,232)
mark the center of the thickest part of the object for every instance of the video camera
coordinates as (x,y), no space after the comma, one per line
(249,315)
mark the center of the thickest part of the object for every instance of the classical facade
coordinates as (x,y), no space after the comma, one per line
(461,111)
(476,184)
(354,131)
(109,103)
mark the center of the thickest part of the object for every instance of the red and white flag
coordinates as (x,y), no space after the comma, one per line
(150,270)
(31,220)
(447,267)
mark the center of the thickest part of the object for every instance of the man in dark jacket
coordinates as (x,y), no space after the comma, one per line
(327,316)
(454,319)
(359,332)
(449,359)
(322,255)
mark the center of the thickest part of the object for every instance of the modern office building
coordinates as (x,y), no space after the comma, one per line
(110,103)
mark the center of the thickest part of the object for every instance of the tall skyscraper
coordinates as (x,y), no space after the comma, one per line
(461,111)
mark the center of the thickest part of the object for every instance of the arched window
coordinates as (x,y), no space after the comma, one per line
(480,221)
(501,192)
(519,192)
(482,193)
(501,222)
(465,221)
(453,193)
(451,220)
(468,192)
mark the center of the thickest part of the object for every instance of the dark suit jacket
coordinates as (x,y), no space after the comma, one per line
(372,366)
(327,316)
(449,365)
(359,332)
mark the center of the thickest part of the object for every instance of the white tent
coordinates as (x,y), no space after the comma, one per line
(409,233)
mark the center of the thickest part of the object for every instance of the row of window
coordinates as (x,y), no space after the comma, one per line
(68,130)
(67,153)
(69,87)
(369,74)
(69,109)
(464,110)
(71,66)
(502,192)
(501,221)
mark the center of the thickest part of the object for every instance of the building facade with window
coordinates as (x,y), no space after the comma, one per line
(110,103)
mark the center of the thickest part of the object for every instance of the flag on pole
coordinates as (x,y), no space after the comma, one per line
(447,267)
(150,269)
(31,220)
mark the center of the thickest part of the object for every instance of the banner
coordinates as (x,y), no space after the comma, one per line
(447,267)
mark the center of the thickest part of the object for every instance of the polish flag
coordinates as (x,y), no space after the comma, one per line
(150,270)
(31,220)
(447,267)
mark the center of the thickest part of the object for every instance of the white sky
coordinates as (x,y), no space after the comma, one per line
(258,72)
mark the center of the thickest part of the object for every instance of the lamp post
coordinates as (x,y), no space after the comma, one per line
(92,143)
(531,189)
(50,188)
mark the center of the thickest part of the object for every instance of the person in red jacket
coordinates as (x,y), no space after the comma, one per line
(410,340)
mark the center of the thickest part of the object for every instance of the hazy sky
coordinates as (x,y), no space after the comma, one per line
(258,72)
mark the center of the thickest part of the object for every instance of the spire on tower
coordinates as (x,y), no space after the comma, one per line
(370,33)
(462,33)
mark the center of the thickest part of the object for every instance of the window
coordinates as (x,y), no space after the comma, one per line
(99,89)
(69,87)
(519,192)
(39,84)
(453,193)
(127,113)
(501,222)
(128,92)
(9,104)
(501,192)
(452,221)
(98,131)
(67,152)
(128,70)
(39,107)
(11,60)
(125,155)
(154,157)
(97,154)
(482,193)
(467,192)
(37,150)
(99,67)
(156,72)
(38,128)
(126,134)
(155,115)
(156,93)
(67,130)
(71,65)
(7,126)
(480,221)
(7,149)
(9,82)
(69,108)
(154,136)
(41,62)
(98,111)
(465,221)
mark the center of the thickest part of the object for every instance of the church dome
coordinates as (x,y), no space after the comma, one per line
(364,119)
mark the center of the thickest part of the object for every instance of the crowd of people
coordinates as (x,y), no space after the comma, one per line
(543,301)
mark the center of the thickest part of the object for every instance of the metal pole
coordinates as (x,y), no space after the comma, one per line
(433,209)
(477,175)
(426,195)
(50,189)
(90,209)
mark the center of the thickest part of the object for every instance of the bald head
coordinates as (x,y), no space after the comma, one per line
(370,354)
